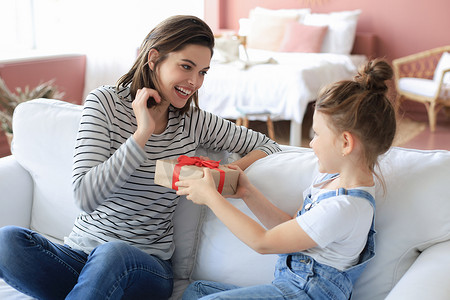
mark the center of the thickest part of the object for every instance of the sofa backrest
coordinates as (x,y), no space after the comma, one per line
(44,138)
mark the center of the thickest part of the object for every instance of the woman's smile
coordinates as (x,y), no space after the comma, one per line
(183,92)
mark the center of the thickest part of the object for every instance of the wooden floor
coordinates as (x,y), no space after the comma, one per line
(440,139)
(426,140)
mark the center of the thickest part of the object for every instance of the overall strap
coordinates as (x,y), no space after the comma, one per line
(352,192)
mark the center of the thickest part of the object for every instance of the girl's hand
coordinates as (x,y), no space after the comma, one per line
(145,117)
(200,191)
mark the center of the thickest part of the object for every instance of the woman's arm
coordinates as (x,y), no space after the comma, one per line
(219,134)
(284,238)
(248,159)
(99,170)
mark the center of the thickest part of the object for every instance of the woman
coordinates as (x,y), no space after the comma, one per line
(121,245)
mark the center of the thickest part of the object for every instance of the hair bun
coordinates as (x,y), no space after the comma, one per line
(372,75)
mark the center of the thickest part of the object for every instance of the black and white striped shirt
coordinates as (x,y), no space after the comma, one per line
(113,178)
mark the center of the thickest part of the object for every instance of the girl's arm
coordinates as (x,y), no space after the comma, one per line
(269,215)
(284,238)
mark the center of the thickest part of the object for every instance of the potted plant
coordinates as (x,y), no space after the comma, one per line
(10,100)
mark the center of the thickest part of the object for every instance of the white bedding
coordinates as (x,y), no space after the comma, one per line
(284,88)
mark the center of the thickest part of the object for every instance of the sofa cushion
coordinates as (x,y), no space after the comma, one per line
(44,138)
(187,222)
(418,86)
(224,258)
(9,293)
(411,216)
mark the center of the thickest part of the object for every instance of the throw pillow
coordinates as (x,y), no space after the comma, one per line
(303,38)
(341,30)
(267,26)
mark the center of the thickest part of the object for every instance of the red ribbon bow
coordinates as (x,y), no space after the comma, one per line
(184,160)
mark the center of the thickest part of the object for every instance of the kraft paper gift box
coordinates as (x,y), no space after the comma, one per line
(169,171)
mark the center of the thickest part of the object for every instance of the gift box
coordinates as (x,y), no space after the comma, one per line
(169,171)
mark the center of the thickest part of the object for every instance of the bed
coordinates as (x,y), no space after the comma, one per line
(262,78)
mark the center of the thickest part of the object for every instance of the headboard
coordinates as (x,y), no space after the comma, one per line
(365,43)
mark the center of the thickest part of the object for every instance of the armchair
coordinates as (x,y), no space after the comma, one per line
(424,77)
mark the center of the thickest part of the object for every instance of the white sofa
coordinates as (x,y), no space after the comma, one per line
(412,218)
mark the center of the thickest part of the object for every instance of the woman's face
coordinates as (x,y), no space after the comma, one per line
(182,73)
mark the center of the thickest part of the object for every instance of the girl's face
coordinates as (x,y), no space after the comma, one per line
(182,73)
(325,144)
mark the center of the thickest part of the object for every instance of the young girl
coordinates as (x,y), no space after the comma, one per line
(121,244)
(325,247)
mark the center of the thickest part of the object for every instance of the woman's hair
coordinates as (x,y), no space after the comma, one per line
(361,107)
(171,35)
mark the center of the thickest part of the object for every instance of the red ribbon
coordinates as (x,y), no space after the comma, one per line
(184,160)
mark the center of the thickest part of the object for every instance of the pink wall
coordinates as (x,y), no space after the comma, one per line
(402,27)
(68,72)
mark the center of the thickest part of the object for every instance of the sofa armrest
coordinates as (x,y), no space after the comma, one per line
(428,277)
(16,193)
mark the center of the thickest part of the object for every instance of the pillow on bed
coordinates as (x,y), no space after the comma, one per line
(266,29)
(303,38)
(341,30)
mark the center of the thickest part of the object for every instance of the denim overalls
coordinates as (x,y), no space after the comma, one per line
(317,280)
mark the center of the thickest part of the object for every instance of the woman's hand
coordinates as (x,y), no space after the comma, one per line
(145,117)
(199,191)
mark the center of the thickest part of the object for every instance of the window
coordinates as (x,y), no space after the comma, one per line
(83,25)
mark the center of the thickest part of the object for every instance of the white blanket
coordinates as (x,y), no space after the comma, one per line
(284,88)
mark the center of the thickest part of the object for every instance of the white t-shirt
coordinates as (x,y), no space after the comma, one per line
(339,225)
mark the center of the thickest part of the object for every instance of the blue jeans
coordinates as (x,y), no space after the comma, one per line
(115,270)
(296,277)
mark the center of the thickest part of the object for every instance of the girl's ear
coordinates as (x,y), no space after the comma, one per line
(153,55)
(348,143)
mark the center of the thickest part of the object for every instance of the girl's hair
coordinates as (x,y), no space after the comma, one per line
(361,107)
(171,35)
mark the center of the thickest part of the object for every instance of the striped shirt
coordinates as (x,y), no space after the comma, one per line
(113,178)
